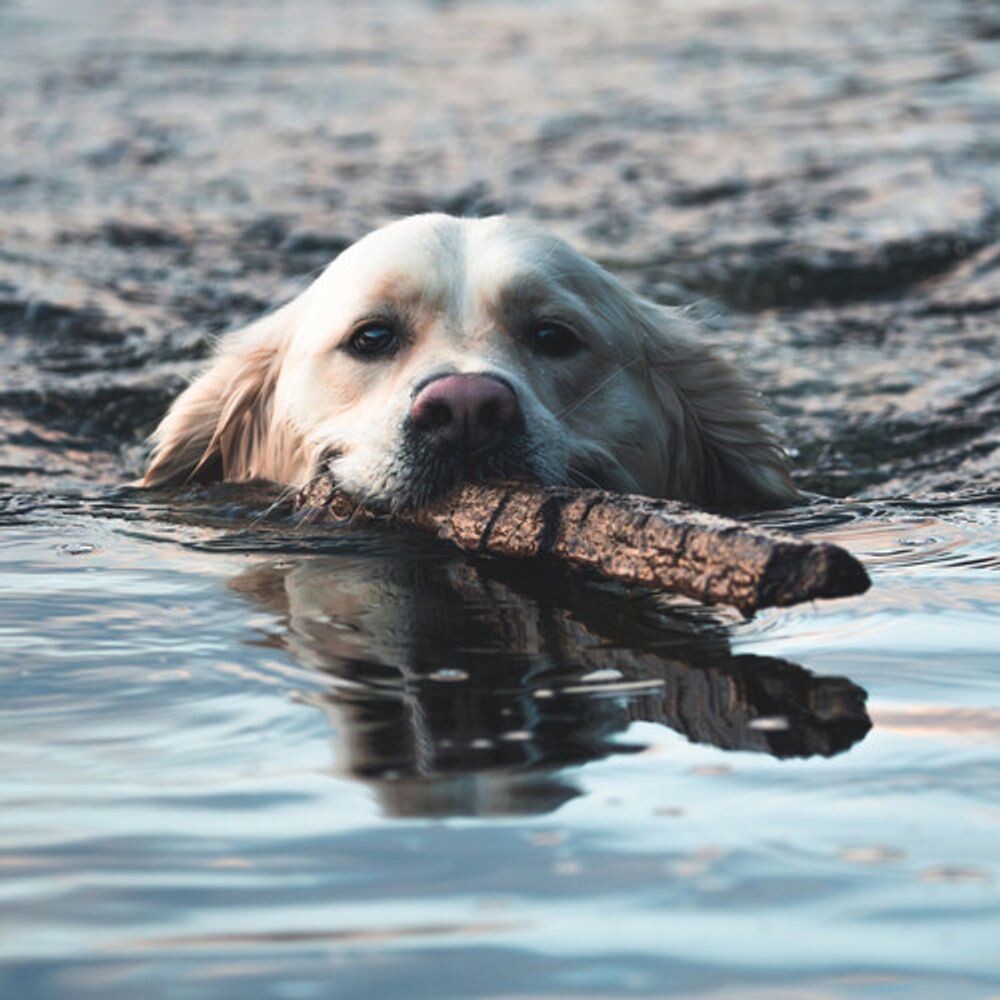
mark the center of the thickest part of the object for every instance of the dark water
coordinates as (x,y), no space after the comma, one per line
(241,757)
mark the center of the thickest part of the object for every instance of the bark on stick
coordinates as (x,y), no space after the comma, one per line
(659,544)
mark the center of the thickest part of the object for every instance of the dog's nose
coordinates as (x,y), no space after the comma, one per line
(472,413)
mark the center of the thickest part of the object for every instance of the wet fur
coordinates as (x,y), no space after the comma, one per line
(651,409)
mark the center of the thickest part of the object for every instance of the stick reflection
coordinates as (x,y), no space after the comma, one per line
(467,688)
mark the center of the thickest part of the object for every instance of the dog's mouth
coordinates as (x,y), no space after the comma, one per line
(421,475)
(432,473)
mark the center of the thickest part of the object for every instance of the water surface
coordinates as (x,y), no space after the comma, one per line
(243,757)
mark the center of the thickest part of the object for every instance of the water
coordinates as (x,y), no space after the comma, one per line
(243,758)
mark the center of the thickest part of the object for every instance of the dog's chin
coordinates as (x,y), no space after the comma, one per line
(436,480)
(420,480)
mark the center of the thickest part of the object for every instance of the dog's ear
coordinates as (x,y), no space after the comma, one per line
(224,425)
(722,449)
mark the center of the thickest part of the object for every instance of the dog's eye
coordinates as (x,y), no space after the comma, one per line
(554,340)
(373,341)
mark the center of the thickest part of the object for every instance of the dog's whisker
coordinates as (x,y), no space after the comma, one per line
(282,497)
(362,503)
(603,384)
(582,479)
(308,514)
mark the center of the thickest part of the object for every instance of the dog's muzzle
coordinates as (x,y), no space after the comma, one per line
(466,416)
(462,428)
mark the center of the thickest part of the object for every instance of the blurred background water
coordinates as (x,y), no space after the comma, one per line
(240,757)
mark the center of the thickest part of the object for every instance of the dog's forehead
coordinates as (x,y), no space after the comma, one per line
(417,253)
(443,263)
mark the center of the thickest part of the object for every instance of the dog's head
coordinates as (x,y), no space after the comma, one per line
(439,349)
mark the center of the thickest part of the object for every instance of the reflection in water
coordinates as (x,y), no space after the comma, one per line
(463,688)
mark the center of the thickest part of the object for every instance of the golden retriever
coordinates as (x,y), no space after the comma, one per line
(439,349)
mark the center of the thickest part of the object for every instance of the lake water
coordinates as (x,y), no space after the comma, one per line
(244,758)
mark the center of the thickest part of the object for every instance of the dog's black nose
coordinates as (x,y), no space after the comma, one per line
(468,413)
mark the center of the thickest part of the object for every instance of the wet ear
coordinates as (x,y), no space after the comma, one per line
(723,450)
(224,426)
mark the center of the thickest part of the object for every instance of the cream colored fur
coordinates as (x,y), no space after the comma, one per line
(647,406)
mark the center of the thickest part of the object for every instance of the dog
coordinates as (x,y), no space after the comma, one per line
(441,349)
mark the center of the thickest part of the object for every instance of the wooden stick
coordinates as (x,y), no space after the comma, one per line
(659,544)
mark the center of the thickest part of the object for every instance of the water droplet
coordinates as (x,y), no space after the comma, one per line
(711,770)
(448,674)
(602,675)
(548,838)
(694,864)
(770,723)
(873,854)
(956,873)
(668,811)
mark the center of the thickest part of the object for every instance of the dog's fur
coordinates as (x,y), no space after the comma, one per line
(644,406)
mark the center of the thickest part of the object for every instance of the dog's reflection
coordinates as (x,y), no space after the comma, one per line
(463,687)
